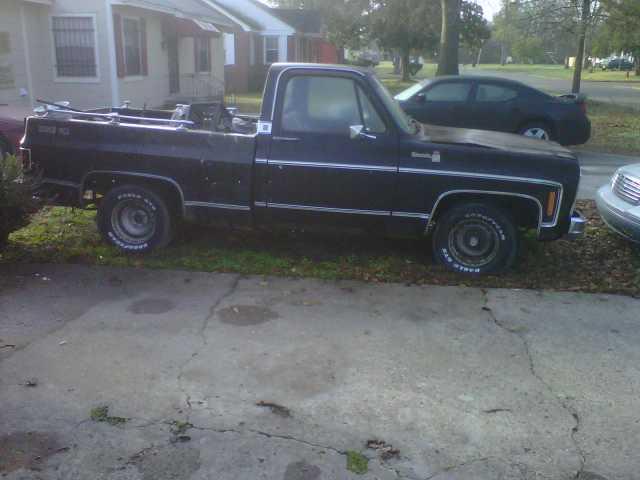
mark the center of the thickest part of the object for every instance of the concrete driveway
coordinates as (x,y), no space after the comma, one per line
(284,378)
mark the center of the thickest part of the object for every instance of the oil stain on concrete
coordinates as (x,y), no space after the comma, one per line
(302,471)
(151,306)
(246,315)
(26,450)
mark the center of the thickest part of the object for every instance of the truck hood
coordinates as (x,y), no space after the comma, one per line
(496,140)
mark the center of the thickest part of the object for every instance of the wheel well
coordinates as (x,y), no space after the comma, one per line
(525,211)
(101,183)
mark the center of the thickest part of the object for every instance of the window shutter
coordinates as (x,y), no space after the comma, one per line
(143,47)
(117,31)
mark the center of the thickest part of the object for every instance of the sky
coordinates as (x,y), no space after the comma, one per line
(490,7)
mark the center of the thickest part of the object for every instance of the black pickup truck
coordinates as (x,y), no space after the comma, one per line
(330,145)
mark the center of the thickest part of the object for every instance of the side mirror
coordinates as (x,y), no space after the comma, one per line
(358,131)
(421,97)
(355,131)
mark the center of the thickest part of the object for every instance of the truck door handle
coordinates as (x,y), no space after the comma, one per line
(285,139)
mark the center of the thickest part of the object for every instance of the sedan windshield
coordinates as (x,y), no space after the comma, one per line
(411,91)
(406,123)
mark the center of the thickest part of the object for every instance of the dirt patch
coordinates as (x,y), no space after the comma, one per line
(151,306)
(27,450)
(246,315)
(302,471)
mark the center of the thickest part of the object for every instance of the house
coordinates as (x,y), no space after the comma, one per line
(267,35)
(103,52)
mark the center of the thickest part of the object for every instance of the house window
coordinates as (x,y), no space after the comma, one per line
(132,45)
(74,42)
(202,47)
(271,53)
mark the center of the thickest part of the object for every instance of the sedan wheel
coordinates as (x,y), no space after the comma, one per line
(535,131)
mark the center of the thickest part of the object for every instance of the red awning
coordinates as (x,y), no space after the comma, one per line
(195,28)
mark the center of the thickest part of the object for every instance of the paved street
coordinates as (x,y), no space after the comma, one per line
(610,92)
(597,169)
(464,383)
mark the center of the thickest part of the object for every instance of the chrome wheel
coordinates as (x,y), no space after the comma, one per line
(474,242)
(537,132)
(133,221)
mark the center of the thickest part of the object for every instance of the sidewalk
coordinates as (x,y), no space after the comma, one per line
(464,383)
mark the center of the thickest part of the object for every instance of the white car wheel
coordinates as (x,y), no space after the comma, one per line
(537,132)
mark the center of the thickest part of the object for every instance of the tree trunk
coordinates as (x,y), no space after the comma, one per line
(636,59)
(406,74)
(449,38)
(397,68)
(582,35)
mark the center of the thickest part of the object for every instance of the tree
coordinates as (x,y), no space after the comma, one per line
(474,28)
(621,30)
(449,38)
(406,26)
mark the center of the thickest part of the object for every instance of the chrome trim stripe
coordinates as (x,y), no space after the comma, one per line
(63,183)
(260,204)
(489,176)
(226,206)
(342,166)
(302,67)
(261,161)
(329,210)
(489,192)
(422,216)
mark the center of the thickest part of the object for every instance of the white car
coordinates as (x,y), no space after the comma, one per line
(619,202)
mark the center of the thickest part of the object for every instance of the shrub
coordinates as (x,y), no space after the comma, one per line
(16,197)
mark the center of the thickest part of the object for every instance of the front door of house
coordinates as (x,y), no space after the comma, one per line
(174,64)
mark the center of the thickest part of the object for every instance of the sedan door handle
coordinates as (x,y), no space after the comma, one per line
(285,139)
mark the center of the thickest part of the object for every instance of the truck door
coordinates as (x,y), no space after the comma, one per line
(317,163)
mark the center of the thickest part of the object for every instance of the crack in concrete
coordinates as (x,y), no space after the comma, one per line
(532,368)
(201,333)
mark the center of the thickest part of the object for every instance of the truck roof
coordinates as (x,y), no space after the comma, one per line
(278,67)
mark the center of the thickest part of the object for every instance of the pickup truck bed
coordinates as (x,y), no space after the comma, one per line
(330,145)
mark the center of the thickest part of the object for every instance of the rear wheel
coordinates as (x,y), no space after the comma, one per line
(475,239)
(134,219)
(539,130)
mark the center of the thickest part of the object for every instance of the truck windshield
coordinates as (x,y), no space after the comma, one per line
(402,119)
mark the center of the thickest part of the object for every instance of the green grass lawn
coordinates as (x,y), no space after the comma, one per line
(600,262)
(614,129)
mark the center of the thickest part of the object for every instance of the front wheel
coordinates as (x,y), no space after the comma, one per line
(134,219)
(475,239)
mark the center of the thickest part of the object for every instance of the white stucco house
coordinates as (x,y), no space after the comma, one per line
(104,52)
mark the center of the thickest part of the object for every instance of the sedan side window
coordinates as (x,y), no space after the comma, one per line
(320,105)
(495,93)
(449,92)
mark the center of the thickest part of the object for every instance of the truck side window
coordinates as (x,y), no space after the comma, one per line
(372,121)
(320,105)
